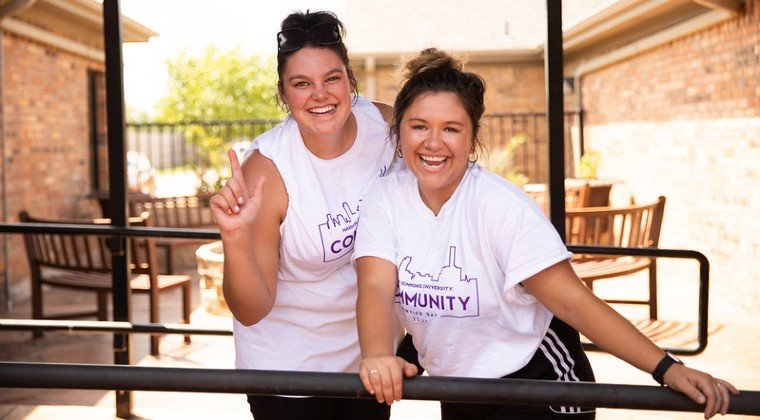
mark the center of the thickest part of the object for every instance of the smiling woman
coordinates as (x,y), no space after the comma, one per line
(316,88)
(437,143)
(439,126)
(288,218)
(461,256)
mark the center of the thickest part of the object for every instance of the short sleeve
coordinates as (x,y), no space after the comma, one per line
(527,244)
(375,235)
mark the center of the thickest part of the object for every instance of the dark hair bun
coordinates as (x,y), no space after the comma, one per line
(434,70)
(430,59)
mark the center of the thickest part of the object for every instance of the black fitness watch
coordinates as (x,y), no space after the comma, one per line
(663,366)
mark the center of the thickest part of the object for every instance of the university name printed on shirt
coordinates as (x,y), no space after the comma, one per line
(423,296)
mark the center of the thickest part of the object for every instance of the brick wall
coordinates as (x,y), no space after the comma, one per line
(46,139)
(510,87)
(683,120)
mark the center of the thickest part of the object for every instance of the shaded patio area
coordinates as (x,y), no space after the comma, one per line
(733,336)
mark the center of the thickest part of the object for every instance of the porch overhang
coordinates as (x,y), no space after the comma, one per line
(75,26)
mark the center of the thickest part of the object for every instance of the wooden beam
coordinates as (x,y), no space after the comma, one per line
(732,6)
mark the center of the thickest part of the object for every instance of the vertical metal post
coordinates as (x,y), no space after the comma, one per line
(122,343)
(92,105)
(581,140)
(5,291)
(555,114)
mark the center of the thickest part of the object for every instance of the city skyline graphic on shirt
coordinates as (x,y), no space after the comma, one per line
(338,232)
(449,293)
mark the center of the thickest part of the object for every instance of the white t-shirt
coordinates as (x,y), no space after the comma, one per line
(312,326)
(459,272)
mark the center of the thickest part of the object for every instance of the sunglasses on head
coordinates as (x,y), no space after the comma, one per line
(321,34)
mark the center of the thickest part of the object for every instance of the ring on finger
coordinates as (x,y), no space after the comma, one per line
(718,384)
(371,371)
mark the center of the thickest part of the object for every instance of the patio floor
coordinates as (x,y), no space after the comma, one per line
(733,353)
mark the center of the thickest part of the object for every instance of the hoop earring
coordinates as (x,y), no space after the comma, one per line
(287,108)
(398,152)
(473,156)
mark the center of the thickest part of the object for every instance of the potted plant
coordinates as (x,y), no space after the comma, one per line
(588,173)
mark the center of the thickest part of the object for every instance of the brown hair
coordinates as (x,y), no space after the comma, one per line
(307,21)
(434,70)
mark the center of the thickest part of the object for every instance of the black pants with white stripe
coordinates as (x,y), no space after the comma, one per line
(559,357)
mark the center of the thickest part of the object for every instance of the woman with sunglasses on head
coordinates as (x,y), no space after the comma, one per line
(287,218)
(480,278)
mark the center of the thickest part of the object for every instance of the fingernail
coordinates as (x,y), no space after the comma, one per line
(236,208)
(240,200)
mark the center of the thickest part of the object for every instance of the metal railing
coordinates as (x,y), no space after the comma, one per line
(70,326)
(703,293)
(347,385)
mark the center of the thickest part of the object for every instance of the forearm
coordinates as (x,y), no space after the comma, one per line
(374,306)
(374,314)
(247,292)
(560,290)
(612,332)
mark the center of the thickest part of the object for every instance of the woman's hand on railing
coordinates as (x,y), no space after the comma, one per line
(701,387)
(383,376)
(235,207)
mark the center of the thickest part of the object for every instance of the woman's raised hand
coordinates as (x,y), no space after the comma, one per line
(235,207)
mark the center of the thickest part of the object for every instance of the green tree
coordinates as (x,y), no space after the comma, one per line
(219,86)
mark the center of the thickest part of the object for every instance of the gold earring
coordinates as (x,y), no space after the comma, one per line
(473,156)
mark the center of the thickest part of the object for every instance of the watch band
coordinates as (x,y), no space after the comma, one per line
(663,366)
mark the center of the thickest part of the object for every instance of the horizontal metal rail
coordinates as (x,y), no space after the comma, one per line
(121,231)
(346,385)
(117,231)
(106,326)
(704,284)
(640,252)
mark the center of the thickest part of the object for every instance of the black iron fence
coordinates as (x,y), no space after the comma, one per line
(514,142)
(517,143)
(176,145)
